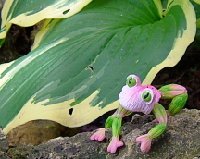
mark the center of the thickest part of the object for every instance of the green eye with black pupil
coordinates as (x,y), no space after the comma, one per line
(146,96)
(131,82)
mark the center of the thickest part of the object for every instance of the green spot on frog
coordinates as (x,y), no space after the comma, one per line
(147,96)
(131,82)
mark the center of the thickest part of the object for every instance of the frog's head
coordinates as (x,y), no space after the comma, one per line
(137,97)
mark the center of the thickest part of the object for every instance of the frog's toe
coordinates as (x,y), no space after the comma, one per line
(114,145)
(145,147)
(145,143)
(99,135)
(111,149)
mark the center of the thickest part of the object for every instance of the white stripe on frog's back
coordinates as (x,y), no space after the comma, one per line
(36,53)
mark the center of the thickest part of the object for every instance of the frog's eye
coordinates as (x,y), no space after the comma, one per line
(147,96)
(131,81)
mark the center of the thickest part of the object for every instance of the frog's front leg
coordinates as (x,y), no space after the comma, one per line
(113,122)
(177,93)
(161,117)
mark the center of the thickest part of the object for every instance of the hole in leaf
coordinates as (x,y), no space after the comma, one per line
(91,67)
(65,12)
(71,111)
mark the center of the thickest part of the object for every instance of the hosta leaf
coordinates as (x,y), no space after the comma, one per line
(29,12)
(197,9)
(198,23)
(197,1)
(81,63)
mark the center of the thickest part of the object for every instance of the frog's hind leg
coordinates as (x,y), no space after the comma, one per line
(178,95)
(146,139)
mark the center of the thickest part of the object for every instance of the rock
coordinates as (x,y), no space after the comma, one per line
(181,140)
(3,142)
(21,152)
(38,131)
(3,145)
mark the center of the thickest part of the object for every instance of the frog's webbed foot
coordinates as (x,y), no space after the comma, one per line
(99,135)
(145,142)
(114,144)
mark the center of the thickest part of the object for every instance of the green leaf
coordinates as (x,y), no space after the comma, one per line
(197,1)
(82,62)
(2,42)
(198,23)
(197,9)
(196,5)
(29,12)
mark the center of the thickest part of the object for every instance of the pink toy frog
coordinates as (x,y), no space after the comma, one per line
(136,97)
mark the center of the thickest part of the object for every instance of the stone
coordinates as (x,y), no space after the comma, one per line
(181,140)
(3,145)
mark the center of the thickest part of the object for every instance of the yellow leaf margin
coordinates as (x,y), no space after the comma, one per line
(180,44)
(53,11)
